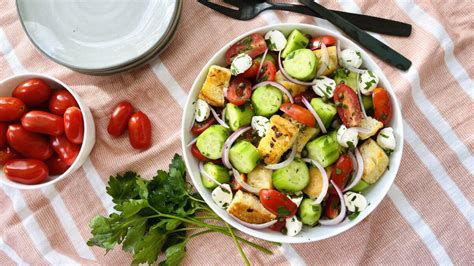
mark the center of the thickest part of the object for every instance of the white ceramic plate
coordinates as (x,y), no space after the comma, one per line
(97,34)
(374,194)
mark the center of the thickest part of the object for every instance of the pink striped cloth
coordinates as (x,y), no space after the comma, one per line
(427,217)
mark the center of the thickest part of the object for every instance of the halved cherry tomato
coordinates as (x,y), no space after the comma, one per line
(29,144)
(7,154)
(253,70)
(11,109)
(198,128)
(315,43)
(32,92)
(3,135)
(43,122)
(299,113)
(139,131)
(332,207)
(65,149)
(308,94)
(235,185)
(240,90)
(382,106)
(60,101)
(56,166)
(196,153)
(348,106)
(278,226)
(342,172)
(26,171)
(253,45)
(268,72)
(277,203)
(119,120)
(74,125)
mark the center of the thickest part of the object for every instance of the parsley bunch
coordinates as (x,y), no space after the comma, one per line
(158,215)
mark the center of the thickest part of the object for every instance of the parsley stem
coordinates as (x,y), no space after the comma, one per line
(242,253)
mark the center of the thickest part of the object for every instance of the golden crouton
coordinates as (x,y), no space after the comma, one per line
(260,178)
(372,124)
(248,208)
(217,80)
(313,189)
(375,161)
(333,64)
(280,137)
(293,88)
(305,133)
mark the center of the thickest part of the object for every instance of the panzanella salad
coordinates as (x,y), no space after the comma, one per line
(291,131)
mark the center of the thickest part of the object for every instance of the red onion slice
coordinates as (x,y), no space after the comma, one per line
(208,176)
(261,64)
(360,97)
(324,60)
(289,78)
(356,70)
(228,143)
(324,189)
(241,182)
(342,213)
(218,119)
(255,226)
(363,130)
(192,142)
(338,52)
(318,119)
(285,162)
(276,85)
(360,169)
(223,114)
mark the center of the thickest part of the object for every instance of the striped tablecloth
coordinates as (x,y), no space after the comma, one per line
(427,217)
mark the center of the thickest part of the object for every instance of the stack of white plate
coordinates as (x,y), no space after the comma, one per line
(100,37)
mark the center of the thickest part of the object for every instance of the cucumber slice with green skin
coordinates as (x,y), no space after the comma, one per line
(244,156)
(326,111)
(347,77)
(360,186)
(210,142)
(296,40)
(291,178)
(368,104)
(301,64)
(309,213)
(238,116)
(218,172)
(324,149)
(266,100)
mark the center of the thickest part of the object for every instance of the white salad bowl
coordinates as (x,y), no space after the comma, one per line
(6,88)
(374,194)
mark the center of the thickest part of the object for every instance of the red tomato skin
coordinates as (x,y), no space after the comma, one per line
(43,122)
(61,100)
(274,201)
(298,113)
(11,109)
(26,171)
(383,109)
(315,43)
(341,176)
(197,154)
(65,149)
(7,154)
(198,128)
(268,72)
(56,166)
(29,144)
(139,131)
(74,125)
(278,226)
(331,209)
(308,94)
(33,92)
(3,135)
(240,90)
(348,106)
(119,120)
(253,45)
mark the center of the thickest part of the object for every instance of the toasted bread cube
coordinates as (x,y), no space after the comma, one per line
(260,178)
(313,189)
(305,133)
(293,88)
(333,64)
(217,80)
(375,161)
(372,124)
(280,138)
(248,208)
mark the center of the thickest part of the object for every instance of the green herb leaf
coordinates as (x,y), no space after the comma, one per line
(174,254)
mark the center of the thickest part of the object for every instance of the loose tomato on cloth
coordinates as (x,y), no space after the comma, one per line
(383,109)
(65,149)
(60,101)
(119,120)
(253,45)
(43,122)
(33,92)
(56,166)
(348,106)
(239,91)
(7,154)
(11,109)
(74,125)
(139,131)
(298,113)
(315,43)
(3,134)
(198,128)
(26,171)
(29,144)
(268,72)
(277,203)
(332,207)
(342,172)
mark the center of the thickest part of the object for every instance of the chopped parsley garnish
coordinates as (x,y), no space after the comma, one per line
(283,211)
(338,171)
(383,135)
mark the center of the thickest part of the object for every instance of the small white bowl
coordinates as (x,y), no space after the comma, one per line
(374,194)
(6,88)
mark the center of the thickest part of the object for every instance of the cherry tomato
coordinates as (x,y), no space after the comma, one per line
(382,106)
(348,105)
(65,149)
(7,154)
(33,92)
(3,135)
(139,131)
(43,122)
(119,120)
(268,72)
(26,171)
(308,94)
(198,128)
(315,43)
(196,153)
(29,144)
(253,45)
(74,125)
(332,207)
(253,70)
(60,101)
(298,113)
(342,172)
(236,185)
(56,166)
(239,91)
(11,109)
(277,203)
(278,226)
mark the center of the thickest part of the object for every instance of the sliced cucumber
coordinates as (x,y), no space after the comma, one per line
(218,172)
(210,142)
(360,186)
(301,64)
(326,111)
(347,77)
(244,156)
(266,100)
(309,213)
(238,116)
(296,40)
(291,178)
(324,149)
